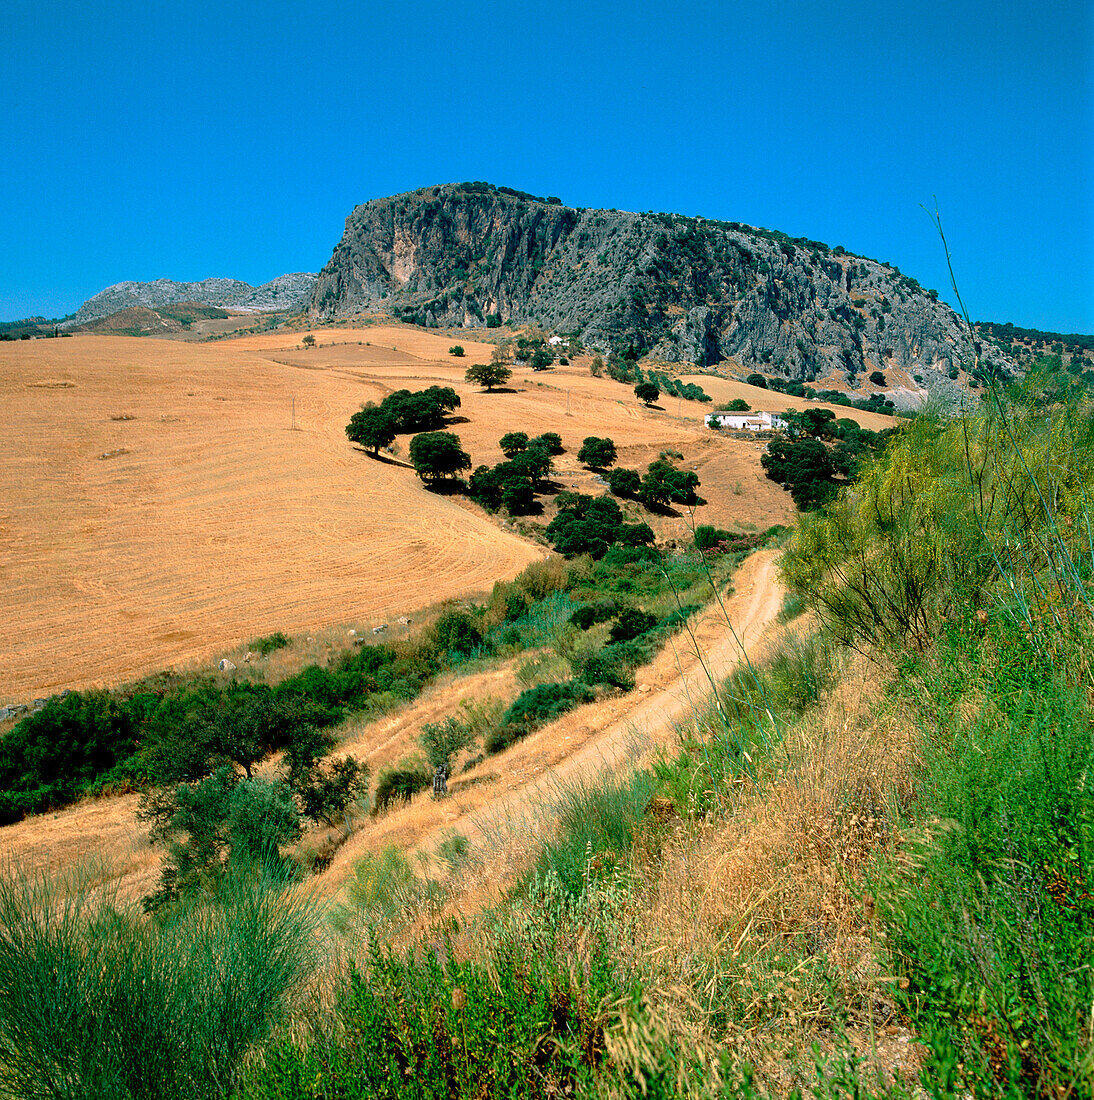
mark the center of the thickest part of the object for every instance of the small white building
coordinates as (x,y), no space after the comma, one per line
(746,422)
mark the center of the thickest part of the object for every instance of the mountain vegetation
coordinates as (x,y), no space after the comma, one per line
(679,289)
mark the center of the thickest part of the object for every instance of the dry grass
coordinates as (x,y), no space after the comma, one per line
(767,900)
(210,522)
(162,512)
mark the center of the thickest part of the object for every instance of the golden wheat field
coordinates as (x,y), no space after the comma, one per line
(158,507)
(165,502)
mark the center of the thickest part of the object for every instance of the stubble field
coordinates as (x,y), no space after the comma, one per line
(159,508)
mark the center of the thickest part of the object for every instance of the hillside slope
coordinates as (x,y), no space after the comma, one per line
(681,289)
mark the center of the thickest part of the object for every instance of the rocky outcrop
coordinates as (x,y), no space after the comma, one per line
(681,289)
(290,292)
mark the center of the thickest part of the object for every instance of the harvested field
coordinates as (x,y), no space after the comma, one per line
(160,510)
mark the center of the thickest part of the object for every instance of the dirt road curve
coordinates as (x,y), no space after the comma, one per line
(504,802)
(669,691)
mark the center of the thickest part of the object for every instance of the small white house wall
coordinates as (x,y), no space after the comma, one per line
(746,422)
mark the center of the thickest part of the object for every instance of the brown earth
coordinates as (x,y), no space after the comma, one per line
(502,804)
(160,510)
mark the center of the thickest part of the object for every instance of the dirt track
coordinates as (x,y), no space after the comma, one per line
(502,804)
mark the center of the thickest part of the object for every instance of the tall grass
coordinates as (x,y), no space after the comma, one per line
(596,825)
(966,553)
(97,1001)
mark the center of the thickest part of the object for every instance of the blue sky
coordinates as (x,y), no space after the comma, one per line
(232,139)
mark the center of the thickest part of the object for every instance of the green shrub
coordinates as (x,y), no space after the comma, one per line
(399,785)
(535,707)
(596,828)
(384,885)
(443,740)
(589,614)
(631,623)
(456,632)
(97,1002)
(989,928)
(270,643)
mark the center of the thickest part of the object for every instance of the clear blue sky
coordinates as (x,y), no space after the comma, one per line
(187,140)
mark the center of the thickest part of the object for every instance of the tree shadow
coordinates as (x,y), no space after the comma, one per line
(389,460)
(446,486)
(501,389)
(456,420)
(662,510)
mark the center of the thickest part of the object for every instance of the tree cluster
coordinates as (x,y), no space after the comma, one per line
(592,525)
(662,485)
(512,484)
(376,426)
(210,810)
(819,454)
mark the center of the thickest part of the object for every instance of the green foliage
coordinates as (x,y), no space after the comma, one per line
(665,484)
(269,643)
(989,929)
(585,525)
(327,789)
(528,1015)
(551,442)
(63,749)
(96,1002)
(372,427)
(804,468)
(488,375)
(596,452)
(589,614)
(631,623)
(384,885)
(217,821)
(443,740)
(541,359)
(536,707)
(597,824)
(946,512)
(623,482)
(454,849)
(512,443)
(398,784)
(739,405)
(647,392)
(457,632)
(456,350)
(877,377)
(438,456)
(757,380)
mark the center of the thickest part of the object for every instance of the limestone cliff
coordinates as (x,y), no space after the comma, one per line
(681,289)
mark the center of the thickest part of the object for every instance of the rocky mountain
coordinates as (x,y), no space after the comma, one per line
(292,292)
(681,289)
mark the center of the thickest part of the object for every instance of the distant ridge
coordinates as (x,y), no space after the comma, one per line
(289,292)
(680,289)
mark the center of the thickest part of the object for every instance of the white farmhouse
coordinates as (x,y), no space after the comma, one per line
(746,422)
